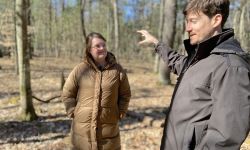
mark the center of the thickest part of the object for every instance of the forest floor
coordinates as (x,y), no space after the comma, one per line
(140,130)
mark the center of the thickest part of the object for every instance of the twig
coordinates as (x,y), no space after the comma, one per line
(45,101)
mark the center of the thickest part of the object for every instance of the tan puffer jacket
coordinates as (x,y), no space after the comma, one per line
(94,98)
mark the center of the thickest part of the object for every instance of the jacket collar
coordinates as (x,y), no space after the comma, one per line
(203,49)
(110,58)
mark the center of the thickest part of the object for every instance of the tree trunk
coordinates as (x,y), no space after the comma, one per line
(160,30)
(241,25)
(62,6)
(56,32)
(50,26)
(90,11)
(16,61)
(29,34)
(244,31)
(60,33)
(168,36)
(109,26)
(15,50)
(27,111)
(236,23)
(116,26)
(242,3)
(82,7)
(1,53)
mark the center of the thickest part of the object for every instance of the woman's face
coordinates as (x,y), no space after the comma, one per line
(98,49)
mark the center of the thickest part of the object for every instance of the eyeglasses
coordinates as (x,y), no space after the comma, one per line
(99,46)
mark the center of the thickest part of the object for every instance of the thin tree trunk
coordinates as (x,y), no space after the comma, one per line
(242,3)
(50,27)
(160,30)
(62,5)
(241,24)
(110,23)
(56,32)
(27,111)
(15,51)
(168,36)
(61,30)
(236,24)
(90,11)
(184,34)
(116,26)
(244,25)
(29,35)
(82,7)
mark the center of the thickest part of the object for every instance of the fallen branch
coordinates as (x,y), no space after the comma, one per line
(45,101)
(138,116)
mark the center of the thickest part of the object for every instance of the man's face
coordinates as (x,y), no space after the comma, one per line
(199,27)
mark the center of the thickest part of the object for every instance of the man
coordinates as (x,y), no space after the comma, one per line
(210,107)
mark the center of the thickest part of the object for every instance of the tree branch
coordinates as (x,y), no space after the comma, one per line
(45,101)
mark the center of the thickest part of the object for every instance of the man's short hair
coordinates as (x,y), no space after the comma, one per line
(209,8)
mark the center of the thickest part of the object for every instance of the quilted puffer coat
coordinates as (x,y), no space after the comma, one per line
(94,97)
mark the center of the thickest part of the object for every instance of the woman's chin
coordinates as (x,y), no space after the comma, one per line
(102,56)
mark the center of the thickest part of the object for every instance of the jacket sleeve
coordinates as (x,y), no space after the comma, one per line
(69,92)
(174,60)
(228,125)
(124,92)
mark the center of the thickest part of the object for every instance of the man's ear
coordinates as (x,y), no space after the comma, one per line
(217,19)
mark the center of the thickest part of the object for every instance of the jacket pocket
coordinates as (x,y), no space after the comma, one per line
(200,131)
(76,109)
(82,129)
(109,115)
(109,130)
(83,114)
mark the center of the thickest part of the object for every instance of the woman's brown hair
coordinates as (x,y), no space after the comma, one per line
(89,39)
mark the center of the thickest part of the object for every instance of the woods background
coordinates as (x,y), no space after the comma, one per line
(57,28)
(51,34)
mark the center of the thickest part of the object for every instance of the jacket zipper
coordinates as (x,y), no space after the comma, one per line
(179,79)
(162,147)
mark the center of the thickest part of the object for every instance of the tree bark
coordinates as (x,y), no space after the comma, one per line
(15,50)
(82,7)
(90,11)
(110,22)
(50,26)
(116,26)
(27,111)
(168,37)
(160,30)
(241,25)
(29,35)
(244,31)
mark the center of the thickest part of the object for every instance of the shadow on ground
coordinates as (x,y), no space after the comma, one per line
(144,118)
(58,126)
(25,132)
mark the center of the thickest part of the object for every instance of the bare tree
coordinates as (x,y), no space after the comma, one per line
(116,26)
(82,24)
(27,111)
(82,7)
(242,23)
(160,30)
(50,25)
(110,23)
(168,36)
(29,33)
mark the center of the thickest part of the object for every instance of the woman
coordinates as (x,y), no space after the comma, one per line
(96,95)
